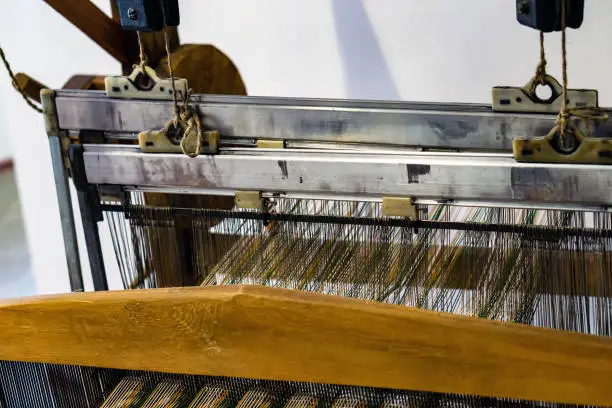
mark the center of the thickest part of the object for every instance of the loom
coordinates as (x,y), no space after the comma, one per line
(276,251)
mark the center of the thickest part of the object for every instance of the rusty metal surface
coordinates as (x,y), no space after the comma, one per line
(426,125)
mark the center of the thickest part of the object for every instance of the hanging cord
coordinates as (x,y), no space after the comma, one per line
(540,74)
(564,115)
(182,113)
(585,114)
(177,110)
(192,131)
(144,60)
(25,97)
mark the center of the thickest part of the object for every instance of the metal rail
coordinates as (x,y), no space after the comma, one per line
(64,199)
(426,125)
(421,175)
(535,232)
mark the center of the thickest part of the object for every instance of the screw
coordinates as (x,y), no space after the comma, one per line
(132,14)
(524,7)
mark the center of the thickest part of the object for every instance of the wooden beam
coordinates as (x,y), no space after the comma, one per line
(95,24)
(29,85)
(278,334)
(88,82)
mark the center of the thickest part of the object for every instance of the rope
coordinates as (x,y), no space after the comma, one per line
(177,110)
(564,115)
(584,114)
(540,74)
(193,130)
(182,112)
(143,55)
(16,85)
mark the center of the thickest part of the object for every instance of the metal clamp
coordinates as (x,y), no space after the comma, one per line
(399,207)
(270,144)
(143,83)
(249,199)
(47,100)
(552,149)
(525,99)
(168,139)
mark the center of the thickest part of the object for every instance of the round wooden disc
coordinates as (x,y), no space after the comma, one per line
(206,68)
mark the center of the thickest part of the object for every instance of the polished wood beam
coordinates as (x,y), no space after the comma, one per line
(92,21)
(278,334)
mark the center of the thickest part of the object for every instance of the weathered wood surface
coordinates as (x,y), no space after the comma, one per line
(29,86)
(92,21)
(279,334)
(208,70)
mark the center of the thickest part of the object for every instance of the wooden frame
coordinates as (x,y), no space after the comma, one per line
(88,18)
(278,334)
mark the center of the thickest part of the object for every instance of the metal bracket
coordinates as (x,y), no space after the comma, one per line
(65,144)
(79,178)
(47,100)
(249,199)
(144,83)
(545,149)
(399,207)
(545,15)
(147,15)
(270,144)
(525,99)
(112,193)
(91,214)
(169,138)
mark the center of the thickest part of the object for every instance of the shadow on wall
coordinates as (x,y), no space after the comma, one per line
(366,73)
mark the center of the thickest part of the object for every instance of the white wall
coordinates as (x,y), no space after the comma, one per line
(38,41)
(6,150)
(435,50)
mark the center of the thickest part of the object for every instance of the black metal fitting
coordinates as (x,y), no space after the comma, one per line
(148,15)
(91,214)
(79,178)
(545,15)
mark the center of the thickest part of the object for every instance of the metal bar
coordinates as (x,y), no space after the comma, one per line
(92,242)
(419,201)
(442,177)
(533,231)
(66,215)
(427,125)
(89,204)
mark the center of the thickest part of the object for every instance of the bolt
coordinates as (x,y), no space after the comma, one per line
(132,14)
(524,7)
